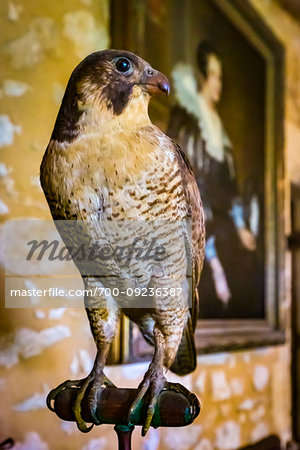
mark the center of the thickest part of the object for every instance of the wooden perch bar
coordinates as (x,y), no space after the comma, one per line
(174,409)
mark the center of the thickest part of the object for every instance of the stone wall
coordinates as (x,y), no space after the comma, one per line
(245,395)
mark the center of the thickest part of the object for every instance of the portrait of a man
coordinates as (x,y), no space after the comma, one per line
(231,275)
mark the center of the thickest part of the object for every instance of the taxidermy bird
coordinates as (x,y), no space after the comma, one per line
(107,165)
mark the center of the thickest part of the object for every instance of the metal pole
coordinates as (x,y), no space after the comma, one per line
(124,433)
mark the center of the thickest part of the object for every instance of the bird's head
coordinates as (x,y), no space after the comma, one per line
(112,83)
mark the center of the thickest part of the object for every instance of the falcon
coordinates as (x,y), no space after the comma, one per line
(111,172)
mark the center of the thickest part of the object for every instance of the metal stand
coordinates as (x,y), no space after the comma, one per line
(124,436)
(176,407)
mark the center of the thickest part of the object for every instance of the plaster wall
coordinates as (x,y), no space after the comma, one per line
(245,395)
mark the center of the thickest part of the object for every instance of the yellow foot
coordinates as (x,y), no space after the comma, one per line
(96,381)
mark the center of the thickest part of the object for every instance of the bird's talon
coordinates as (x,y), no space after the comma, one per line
(154,384)
(178,388)
(148,421)
(137,402)
(93,399)
(98,381)
(49,400)
(61,387)
(82,426)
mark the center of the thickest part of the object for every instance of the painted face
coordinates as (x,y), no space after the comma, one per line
(212,85)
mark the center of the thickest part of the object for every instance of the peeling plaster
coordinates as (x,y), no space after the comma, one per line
(58,92)
(32,343)
(232,361)
(260,377)
(151,442)
(17,234)
(13,88)
(258,413)
(6,181)
(260,431)
(182,438)
(9,185)
(247,358)
(200,382)
(228,436)
(37,147)
(4,171)
(68,427)
(35,181)
(96,444)
(204,444)
(36,401)
(32,442)
(247,404)
(7,131)
(3,207)
(28,201)
(56,313)
(237,386)
(39,314)
(27,343)
(133,371)
(14,11)
(34,299)
(87,36)
(29,49)
(9,356)
(220,386)
(215,359)
(82,363)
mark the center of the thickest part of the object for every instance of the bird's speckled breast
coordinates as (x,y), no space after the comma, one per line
(132,177)
(122,176)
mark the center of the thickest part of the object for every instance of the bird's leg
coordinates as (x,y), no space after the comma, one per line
(153,382)
(103,323)
(96,379)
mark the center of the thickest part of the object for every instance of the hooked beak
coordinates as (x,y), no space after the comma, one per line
(155,82)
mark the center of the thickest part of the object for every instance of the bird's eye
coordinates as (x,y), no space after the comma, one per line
(123,65)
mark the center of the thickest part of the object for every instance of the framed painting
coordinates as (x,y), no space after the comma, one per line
(242,285)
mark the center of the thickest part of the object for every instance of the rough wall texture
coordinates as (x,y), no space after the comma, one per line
(246,395)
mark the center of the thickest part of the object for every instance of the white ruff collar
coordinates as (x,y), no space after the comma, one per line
(212,129)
